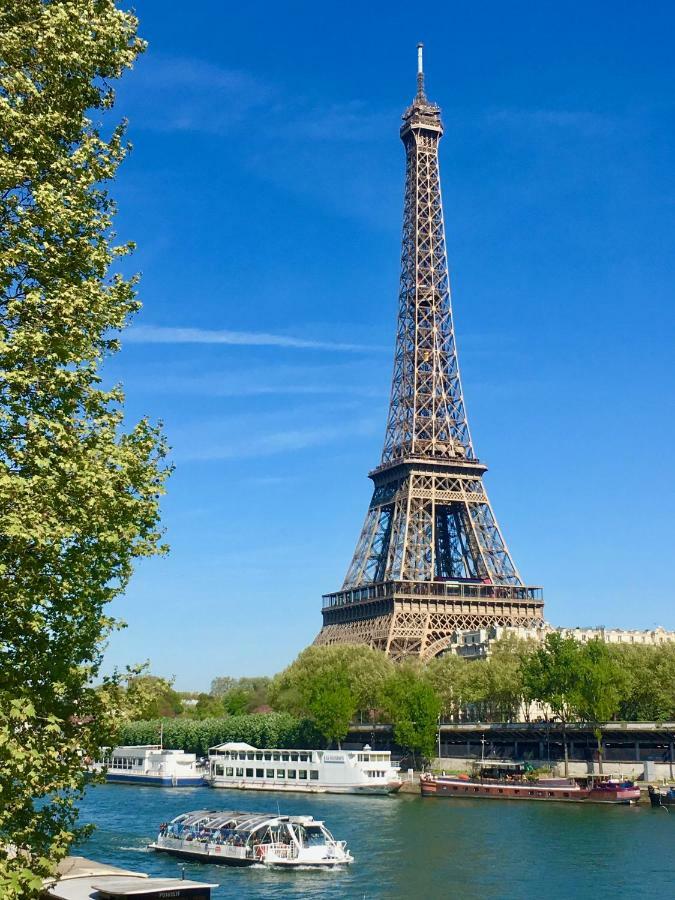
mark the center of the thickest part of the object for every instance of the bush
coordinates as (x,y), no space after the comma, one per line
(197,735)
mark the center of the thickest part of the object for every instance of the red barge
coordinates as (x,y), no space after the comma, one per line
(590,789)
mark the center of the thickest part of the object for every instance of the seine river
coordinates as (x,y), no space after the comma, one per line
(408,847)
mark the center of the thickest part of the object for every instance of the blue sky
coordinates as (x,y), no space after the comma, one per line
(265,192)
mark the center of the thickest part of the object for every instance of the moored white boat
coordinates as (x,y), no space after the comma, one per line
(152,764)
(239,765)
(247,839)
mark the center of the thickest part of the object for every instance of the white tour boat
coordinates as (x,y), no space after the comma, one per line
(151,764)
(238,765)
(247,839)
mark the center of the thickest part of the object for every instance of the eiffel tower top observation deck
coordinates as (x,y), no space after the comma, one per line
(431,558)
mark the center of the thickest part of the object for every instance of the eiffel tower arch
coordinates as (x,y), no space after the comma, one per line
(431,558)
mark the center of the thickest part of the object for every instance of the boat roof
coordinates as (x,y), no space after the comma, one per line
(233,745)
(213,819)
(153,748)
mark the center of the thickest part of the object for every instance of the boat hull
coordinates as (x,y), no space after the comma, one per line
(216,855)
(391,788)
(473,790)
(440,787)
(240,862)
(159,780)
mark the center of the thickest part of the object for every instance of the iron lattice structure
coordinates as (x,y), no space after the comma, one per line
(431,558)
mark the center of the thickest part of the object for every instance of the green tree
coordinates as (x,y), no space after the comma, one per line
(206,707)
(500,678)
(413,708)
(240,695)
(552,675)
(449,676)
(649,672)
(601,689)
(236,702)
(150,697)
(79,494)
(356,672)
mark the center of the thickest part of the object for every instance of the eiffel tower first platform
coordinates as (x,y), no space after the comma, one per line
(431,558)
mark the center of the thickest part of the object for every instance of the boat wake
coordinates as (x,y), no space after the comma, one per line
(143,849)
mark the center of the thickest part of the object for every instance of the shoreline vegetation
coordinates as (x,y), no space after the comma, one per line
(325,690)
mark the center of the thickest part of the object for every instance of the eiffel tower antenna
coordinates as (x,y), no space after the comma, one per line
(420,71)
(431,558)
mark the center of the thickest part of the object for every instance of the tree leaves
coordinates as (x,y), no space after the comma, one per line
(79,496)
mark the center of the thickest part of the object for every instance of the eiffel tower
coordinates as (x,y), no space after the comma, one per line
(431,558)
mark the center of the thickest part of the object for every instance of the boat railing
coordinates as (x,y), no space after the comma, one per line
(281,851)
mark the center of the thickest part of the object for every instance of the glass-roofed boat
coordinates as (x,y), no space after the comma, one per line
(246,839)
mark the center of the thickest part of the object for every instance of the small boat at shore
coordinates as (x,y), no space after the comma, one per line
(247,839)
(662,796)
(152,764)
(491,782)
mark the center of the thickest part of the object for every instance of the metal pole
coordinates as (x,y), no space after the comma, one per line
(439,736)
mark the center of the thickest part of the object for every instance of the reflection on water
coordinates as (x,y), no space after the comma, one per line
(408,847)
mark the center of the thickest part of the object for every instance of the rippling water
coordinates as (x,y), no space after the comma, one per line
(408,847)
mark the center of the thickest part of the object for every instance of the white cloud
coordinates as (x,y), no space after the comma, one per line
(234,445)
(157,334)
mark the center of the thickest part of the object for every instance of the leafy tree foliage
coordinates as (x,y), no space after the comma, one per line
(275,729)
(240,695)
(329,685)
(453,683)
(413,708)
(602,683)
(553,675)
(78,494)
(151,697)
(648,688)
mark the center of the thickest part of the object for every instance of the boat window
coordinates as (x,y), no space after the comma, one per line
(285,757)
(269,773)
(240,773)
(291,773)
(302,774)
(281,773)
(303,757)
(294,757)
(250,755)
(314,837)
(220,770)
(242,755)
(249,773)
(314,775)
(229,771)
(268,756)
(259,773)
(259,755)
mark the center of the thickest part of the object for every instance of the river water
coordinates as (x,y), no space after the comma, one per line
(409,847)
